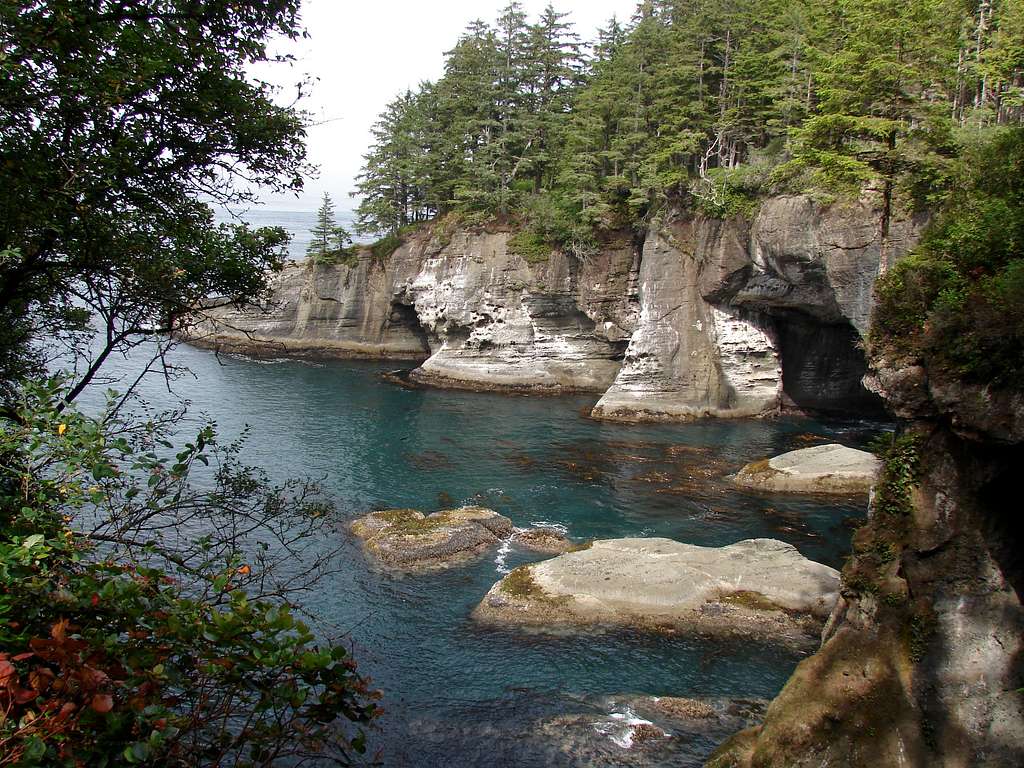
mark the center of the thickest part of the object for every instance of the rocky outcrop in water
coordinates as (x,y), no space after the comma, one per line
(821,469)
(618,731)
(407,539)
(755,588)
(703,316)
(547,541)
(922,660)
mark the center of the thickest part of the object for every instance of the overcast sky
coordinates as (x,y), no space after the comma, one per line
(364,53)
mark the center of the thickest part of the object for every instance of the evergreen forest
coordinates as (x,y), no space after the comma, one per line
(719,100)
(713,105)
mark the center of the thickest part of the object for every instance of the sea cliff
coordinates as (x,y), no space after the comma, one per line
(694,316)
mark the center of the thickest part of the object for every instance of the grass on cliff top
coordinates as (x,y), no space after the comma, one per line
(347,256)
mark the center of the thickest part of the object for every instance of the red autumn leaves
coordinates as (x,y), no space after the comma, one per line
(59,681)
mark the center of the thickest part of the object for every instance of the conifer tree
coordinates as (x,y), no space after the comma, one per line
(391,184)
(838,93)
(329,239)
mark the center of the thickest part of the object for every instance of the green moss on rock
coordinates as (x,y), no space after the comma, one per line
(530,246)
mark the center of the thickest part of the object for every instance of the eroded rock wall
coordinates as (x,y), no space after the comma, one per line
(699,317)
(496,321)
(922,661)
(688,357)
(322,310)
(742,317)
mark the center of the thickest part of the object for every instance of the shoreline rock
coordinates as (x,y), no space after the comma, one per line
(407,539)
(645,730)
(261,348)
(697,319)
(754,588)
(832,468)
(545,539)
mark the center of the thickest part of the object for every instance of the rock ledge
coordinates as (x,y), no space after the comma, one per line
(822,469)
(758,587)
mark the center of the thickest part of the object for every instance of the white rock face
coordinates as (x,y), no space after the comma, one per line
(752,586)
(328,311)
(700,321)
(688,358)
(492,325)
(829,468)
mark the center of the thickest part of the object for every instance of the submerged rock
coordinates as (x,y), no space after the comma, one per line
(643,731)
(407,539)
(758,587)
(822,469)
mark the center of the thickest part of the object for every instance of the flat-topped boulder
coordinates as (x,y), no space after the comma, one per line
(829,468)
(757,587)
(408,539)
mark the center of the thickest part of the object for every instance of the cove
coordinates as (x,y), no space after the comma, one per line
(455,693)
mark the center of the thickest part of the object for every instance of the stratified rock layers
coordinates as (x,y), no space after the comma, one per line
(688,357)
(706,316)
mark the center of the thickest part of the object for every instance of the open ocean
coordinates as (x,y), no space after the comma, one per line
(298,224)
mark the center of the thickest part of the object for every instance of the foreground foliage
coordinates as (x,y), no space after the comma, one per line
(121,645)
(148,584)
(120,124)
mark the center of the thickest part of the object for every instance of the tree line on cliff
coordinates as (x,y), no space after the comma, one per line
(721,102)
(717,99)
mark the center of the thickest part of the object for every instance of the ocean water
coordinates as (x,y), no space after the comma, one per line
(458,694)
(298,224)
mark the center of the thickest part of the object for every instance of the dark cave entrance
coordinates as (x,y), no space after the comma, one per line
(1003,523)
(822,367)
(404,317)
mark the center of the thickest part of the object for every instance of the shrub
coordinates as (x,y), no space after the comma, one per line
(125,643)
(530,246)
(387,245)
(957,303)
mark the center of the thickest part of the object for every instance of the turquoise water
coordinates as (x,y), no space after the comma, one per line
(456,694)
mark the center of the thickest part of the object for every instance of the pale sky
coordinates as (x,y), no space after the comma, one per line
(364,53)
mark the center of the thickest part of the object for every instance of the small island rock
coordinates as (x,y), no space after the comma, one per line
(758,587)
(546,540)
(408,539)
(822,469)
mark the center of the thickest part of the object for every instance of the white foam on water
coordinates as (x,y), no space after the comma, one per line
(619,728)
(563,529)
(501,555)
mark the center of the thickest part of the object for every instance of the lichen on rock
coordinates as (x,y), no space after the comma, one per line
(758,588)
(409,540)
